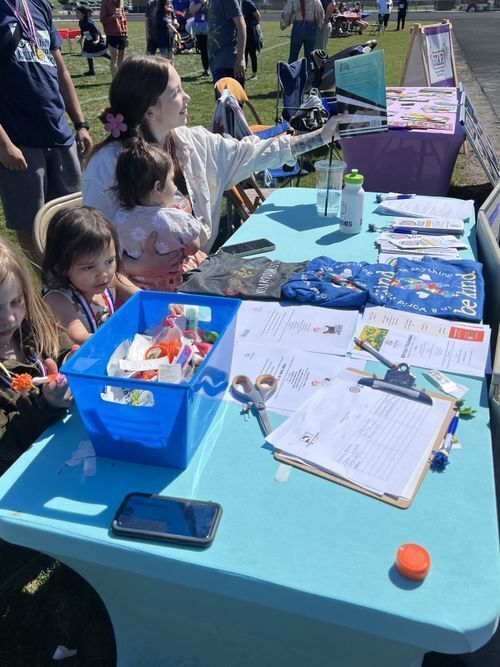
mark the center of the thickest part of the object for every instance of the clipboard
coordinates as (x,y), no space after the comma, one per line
(401,503)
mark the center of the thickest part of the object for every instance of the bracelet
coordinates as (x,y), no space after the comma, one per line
(83,125)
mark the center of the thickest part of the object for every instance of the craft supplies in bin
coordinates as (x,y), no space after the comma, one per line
(167,429)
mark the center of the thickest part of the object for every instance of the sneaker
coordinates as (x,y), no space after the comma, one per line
(254,76)
(89,74)
(204,74)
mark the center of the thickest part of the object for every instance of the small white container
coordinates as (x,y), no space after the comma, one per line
(353,199)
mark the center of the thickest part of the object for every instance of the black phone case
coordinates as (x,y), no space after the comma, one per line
(146,534)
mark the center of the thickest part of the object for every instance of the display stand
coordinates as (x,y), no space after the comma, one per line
(430,60)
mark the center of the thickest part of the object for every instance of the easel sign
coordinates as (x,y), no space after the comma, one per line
(479,139)
(430,60)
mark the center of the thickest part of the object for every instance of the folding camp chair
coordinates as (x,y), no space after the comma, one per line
(45,215)
(238,92)
(291,81)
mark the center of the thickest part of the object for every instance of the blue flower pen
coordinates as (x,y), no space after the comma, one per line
(440,458)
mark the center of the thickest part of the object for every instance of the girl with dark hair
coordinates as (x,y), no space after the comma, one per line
(93,44)
(147,100)
(80,271)
(146,190)
(161,28)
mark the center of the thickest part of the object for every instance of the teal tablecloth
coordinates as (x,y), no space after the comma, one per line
(300,572)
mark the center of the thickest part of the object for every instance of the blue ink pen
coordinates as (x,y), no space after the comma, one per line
(392,196)
(440,458)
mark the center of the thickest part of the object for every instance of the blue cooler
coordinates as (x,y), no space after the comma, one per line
(168,432)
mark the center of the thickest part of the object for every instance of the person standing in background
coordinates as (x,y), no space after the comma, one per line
(151,26)
(384,11)
(226,40)
(323,32)
(114,22)
(307,16)
(93,45)
(38,152)
(252,20)
(402,9)
(199,11)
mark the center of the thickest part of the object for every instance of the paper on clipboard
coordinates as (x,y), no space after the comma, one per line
(376,440)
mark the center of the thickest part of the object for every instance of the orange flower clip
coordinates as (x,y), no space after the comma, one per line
(23,382)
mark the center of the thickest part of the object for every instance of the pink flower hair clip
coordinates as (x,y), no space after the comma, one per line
(115,125)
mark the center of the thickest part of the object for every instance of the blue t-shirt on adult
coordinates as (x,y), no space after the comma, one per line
(31,105)
(222,33)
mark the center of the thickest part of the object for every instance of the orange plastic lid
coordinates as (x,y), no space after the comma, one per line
(413,561)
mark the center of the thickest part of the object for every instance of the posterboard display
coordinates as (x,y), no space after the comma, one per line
(430,60)
(479,139)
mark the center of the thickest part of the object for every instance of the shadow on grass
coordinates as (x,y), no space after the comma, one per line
(51,605)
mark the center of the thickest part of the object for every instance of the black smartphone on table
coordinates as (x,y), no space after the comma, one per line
(153,517)
(249,247)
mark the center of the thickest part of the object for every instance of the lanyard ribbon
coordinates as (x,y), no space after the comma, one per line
(25,19)
(89,313)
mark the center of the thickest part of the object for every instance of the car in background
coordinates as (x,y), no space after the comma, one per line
(481,5)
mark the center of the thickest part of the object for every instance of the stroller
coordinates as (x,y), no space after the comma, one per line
(185,39)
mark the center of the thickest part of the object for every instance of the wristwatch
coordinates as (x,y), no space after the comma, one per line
(83,125)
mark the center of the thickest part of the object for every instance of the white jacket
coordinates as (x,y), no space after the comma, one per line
(211,164)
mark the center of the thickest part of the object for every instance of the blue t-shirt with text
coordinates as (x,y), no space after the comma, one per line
(31,106)
(222,33)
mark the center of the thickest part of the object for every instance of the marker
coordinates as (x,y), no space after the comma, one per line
(407,392)
(392,196)
(368,348)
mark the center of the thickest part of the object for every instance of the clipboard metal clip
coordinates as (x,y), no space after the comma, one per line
(398,381)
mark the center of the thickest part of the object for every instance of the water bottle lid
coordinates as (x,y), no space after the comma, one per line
(354,178)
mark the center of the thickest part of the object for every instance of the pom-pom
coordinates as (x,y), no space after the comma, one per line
(439,461)
(22,382)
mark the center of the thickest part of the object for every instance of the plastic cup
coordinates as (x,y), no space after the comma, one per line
(329,177)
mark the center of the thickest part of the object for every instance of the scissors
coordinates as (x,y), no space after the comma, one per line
(255,396)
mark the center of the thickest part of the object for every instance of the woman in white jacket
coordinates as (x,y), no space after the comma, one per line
(146,98)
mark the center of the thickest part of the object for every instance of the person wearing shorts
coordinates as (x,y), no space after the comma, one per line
(114,22)
(38,153)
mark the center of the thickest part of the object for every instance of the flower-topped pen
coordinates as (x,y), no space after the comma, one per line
(115,124)
(440,458)
(23,382)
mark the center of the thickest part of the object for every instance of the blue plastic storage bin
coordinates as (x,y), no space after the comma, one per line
(168,432)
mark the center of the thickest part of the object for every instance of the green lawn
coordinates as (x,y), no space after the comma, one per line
(92,91)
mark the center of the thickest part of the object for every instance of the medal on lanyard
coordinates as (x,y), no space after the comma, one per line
(28,26)
(89,314)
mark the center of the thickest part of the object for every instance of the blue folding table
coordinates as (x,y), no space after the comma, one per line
(300,572)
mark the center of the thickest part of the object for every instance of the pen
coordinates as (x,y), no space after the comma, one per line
(440,458)
(407,392)
(368,348)
(391,196)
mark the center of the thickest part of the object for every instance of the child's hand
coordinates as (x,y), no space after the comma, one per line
(175,309)
(57,393)
(192,247)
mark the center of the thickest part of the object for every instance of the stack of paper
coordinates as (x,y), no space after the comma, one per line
(424,341)
(376,440)
(299,345)
(445,247)
(438,226)
(428,207)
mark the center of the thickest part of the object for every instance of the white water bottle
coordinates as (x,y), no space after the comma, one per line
(353,198)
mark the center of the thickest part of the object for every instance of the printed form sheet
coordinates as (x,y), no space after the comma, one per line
(374,439)
(299,373)
(427,342)
(301,327)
